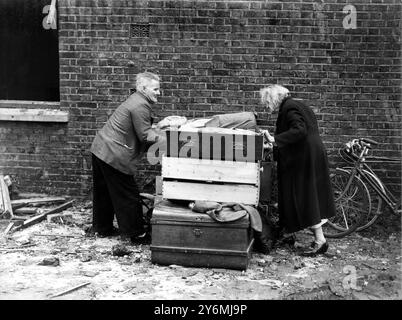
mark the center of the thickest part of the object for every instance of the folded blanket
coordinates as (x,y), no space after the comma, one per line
(255,218)
(226,215)
(228,212)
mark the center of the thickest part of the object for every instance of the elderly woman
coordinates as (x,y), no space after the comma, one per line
(305,198)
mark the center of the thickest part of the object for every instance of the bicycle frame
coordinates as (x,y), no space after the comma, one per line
(365,173)
(383,192)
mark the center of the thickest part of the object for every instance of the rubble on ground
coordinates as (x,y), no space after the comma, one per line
(57,259)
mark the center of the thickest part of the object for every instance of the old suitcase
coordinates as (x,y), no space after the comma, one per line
(183,237)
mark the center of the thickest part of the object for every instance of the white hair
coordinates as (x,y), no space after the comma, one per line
(142,79)
(273,95)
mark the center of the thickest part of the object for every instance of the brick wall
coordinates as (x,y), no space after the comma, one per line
(213,57)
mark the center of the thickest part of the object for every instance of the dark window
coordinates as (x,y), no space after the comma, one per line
(29,56)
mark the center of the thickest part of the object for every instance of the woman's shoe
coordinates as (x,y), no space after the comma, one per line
(316,249)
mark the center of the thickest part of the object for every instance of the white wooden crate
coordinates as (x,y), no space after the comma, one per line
(212,180)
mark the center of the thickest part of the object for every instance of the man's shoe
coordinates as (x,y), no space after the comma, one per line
(262,244)
(141,239)
(110,233)
(263,247)
(316,249)
(287,240)
(290,240)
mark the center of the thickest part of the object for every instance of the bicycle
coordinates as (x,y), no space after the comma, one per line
(359,193)
(356,195)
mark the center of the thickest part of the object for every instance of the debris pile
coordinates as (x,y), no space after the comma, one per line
(24,212)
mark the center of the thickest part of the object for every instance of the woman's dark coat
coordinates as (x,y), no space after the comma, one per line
(304,189)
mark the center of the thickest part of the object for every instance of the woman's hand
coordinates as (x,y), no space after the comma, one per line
(270,138)
(267,136)
(267,145)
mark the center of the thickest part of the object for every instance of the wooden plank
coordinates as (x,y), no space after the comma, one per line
(158,185)
(42,216)
(7,210)
(38,115)
(70,290)
(15,218)
(240,193)
(29,104)
(27,210)
(210,170)
(29,195)
(24,202)
(9,227)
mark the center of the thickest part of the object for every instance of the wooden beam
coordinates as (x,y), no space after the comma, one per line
(23,202)
(29,104)
(28,210)
(37,115)
(9,227)
(39,218)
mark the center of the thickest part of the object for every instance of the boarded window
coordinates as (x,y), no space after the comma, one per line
(29,57)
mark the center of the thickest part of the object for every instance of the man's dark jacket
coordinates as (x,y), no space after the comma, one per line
(304,188)
(126,135)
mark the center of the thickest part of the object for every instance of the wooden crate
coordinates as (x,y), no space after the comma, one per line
(181,236)
(211,180)
(215,144)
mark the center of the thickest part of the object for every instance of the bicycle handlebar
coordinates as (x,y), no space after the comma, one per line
(361,142)
(357,145)
(367,140)
(357,149)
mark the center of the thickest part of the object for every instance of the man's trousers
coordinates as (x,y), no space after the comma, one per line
(115,193)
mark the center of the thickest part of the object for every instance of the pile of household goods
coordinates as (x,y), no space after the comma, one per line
(207,213)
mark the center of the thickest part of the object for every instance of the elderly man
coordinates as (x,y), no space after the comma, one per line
(116,150)
(305,198)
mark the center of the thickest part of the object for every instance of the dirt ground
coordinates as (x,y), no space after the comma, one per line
(47,259)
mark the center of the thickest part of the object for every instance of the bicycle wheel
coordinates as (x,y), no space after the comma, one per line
(376,201)
(352,203)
